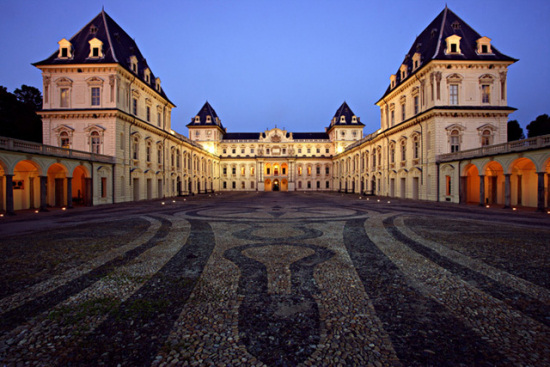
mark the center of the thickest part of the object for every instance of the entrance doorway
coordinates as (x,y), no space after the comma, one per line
(276,185)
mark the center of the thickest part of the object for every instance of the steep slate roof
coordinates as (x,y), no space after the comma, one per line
(307,136)
(206,110)
(344,110)
(241,136)
(118,47)
(431,45)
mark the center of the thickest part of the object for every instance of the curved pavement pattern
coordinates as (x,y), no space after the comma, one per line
(277,279)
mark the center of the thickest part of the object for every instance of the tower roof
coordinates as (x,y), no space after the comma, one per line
(118,47)
(345,111)
(431,45)
(205,111)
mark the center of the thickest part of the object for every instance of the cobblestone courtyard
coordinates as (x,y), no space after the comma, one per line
(276,279)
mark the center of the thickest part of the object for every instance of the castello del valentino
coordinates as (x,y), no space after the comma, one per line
(107,133)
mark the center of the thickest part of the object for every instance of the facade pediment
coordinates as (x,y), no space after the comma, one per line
(276,135)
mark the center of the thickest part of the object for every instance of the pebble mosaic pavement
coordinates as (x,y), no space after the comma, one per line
(276,279)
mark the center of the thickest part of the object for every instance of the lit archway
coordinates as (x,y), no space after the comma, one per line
(57,185)
(26,185)
(81,186)
(494,183)
(267,185)
(472,184)
(523,182)
(284,185)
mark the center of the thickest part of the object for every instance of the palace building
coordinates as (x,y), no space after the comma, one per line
(108,138)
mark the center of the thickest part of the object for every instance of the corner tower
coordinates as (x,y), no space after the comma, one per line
(344,128)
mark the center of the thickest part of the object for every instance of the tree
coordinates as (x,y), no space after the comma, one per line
(18,118)
(540,126)
(29,96)
(515,132)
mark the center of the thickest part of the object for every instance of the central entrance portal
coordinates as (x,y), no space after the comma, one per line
(276,185)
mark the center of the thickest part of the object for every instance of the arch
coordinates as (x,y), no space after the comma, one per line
(494,183)
(472,183)
(26,185)
(57,185)
(284,184)
(276,185)
(81,186)
(267,185)
(523,182)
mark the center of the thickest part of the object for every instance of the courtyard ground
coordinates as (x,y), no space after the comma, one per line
(275,279)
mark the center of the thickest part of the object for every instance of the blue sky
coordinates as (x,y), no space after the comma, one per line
(285,63)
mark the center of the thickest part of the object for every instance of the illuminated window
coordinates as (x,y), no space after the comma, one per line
(486,93)
(64,97)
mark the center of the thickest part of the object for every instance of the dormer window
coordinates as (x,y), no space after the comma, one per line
(157,84)
(208,119)
(65,49)
(147,75)
(416,60)
(484,46)
(456,25)
(392,80)
(343,119)
(403,71)
(453,44)
(197,120)
(134,64)
(96,48)
(354,119)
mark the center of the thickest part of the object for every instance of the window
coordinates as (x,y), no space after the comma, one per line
(308,150)
(224,170)
(268,171)
(415,105)
(251,150)
(158,119)
(453,94)
(242,171)
(318,170)
(454,47)
(159,155)
(103,187)
(402,112)
(299,184)
(327,150)
(486,93)
(299,150)
(392,117)
(318,151)
(486,138)
(416,147)
(309,170)
(225,185)
(96,96)
(328,185)
(234,185)
(252,171)
(392,153)
(95,142)
(299,171)
(64,97)
(233,170)
(64,140)
(309,184)
(252,185)
(233,151)
(448,191)
(284,170)
(455,141)
(327,170)
(224,151)
(148,113)
(64,52)
(243,185)
(403,150)
(135,150)
(134,106)
(318,184)
(122,142)
(148,152)
(242,151)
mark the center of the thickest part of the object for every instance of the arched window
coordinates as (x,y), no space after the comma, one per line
(403,150)
(416,147)
(486,138)
(64,140)
(455,141)
(95,142)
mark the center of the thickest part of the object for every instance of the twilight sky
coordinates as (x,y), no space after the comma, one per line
(287,63)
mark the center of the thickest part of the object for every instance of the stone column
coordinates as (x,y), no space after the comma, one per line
(9,195)
(43,193)
(481,190)
(507,191)
(540,192)
(463,190)
(69,192)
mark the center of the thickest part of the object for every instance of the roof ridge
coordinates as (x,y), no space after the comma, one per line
(441,31)
(108,32)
